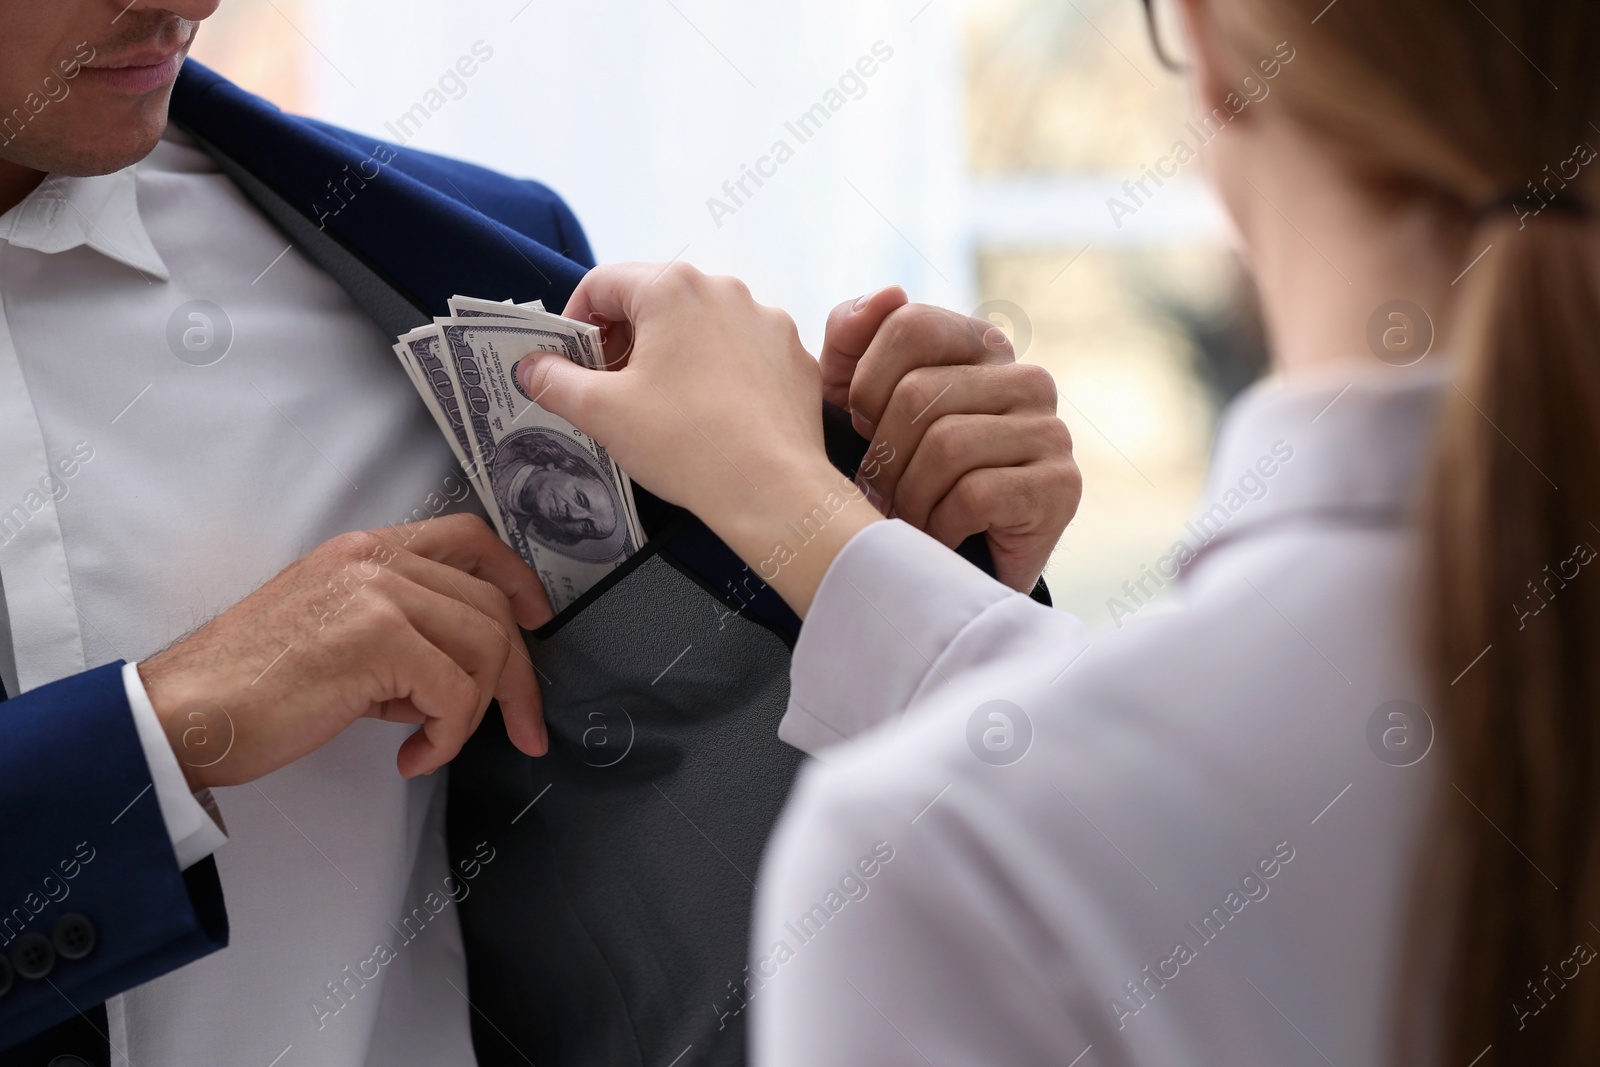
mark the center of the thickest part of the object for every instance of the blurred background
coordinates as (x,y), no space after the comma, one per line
(973,165)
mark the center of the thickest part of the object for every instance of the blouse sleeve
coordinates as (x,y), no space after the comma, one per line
(889,609)
(894,924)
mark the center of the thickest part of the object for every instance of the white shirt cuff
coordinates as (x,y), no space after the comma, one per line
(891,603)
(193,823)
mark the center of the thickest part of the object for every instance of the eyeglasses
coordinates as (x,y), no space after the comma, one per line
(1155,40)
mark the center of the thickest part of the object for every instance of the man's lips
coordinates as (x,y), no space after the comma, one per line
(136,74)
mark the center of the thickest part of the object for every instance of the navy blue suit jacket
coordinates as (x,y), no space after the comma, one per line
(83,834)
(82,831)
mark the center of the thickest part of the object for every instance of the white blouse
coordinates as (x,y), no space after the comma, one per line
(1186,841)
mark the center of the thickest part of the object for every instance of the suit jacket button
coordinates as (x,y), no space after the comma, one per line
(7,976)
(69,1061)
(33,956)
(74,936)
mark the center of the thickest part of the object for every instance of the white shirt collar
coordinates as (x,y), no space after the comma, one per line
(101,212)
(1344,445)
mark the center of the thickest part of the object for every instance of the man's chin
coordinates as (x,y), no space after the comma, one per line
(85,153)
(103,162)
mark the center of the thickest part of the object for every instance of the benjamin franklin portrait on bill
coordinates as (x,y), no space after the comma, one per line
(559,495)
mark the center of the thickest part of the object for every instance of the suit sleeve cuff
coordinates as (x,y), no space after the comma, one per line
(193,822)
(889,606)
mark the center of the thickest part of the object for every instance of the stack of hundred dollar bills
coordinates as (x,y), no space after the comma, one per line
(553,493)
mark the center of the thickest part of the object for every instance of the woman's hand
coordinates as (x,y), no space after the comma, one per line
(965,439)
(717,409)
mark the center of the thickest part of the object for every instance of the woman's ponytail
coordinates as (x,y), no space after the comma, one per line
(1493,105)
(1512,629)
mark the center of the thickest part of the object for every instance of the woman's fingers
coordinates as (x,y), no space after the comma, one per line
(581,396)
(716,409)
(621,292)
(608,291)
(716,390)
(616,341)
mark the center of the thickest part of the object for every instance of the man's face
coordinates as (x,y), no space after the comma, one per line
(84,83)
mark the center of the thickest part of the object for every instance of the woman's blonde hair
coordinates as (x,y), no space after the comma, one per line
(1486,107)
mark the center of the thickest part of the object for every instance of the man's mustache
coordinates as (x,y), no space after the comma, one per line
(139,31)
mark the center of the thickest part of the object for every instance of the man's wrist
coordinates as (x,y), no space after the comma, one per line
(193,822)
(197,729)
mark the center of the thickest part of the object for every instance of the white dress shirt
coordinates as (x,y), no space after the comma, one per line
(191,486)
(1181,843)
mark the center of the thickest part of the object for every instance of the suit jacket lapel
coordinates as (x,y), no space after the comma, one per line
(423,243)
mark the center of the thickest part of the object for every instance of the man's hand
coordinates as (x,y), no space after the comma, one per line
(965,439)
(415,623)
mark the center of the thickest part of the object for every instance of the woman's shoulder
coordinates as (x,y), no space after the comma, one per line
(1187,766)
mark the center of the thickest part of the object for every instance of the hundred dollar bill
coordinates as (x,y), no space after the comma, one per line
(421,353)
(470,307)
(559,498)
(588,335)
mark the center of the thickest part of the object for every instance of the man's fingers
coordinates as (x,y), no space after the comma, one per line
(927,394)
(477,647)
(851,327)
(469,544)
(1022,510)
(957,444)
(524,719)
(457,584)
(517,690)
(492,656)
(397,710)
(466,635)
(918,335)
(447,695)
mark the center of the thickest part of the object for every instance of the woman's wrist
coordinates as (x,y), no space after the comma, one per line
(790,530)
